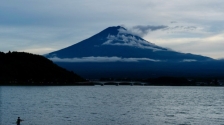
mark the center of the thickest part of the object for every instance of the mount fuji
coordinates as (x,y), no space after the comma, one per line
(117,52)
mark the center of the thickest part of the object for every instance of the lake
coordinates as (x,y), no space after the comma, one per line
(112,105)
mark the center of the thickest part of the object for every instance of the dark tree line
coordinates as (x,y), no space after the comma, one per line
(20,68)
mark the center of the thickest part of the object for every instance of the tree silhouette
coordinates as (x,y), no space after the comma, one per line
(20,68)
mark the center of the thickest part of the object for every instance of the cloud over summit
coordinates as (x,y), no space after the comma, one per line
(145,29)
(142,30)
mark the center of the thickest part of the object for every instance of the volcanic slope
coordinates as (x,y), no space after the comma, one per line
(118,42)
(116,52)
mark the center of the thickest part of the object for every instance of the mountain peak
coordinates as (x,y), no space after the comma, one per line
(124,37)
(119,42)
(116,27)
(119,52)
(114,30)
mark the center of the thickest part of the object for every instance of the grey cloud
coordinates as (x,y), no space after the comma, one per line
(189,60)
(184,28)
(101,59)
(173,22)
(141,30)
(145,29)
(190,27)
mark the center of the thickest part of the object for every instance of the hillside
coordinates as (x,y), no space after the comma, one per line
(19,68)
(118,43)
(118,53)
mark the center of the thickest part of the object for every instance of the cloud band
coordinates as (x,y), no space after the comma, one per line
(101,59)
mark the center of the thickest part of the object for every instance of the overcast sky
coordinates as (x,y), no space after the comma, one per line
(43,26)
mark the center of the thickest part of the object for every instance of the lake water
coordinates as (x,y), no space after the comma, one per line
(112,105)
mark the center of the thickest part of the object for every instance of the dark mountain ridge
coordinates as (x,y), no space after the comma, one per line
(19,68)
